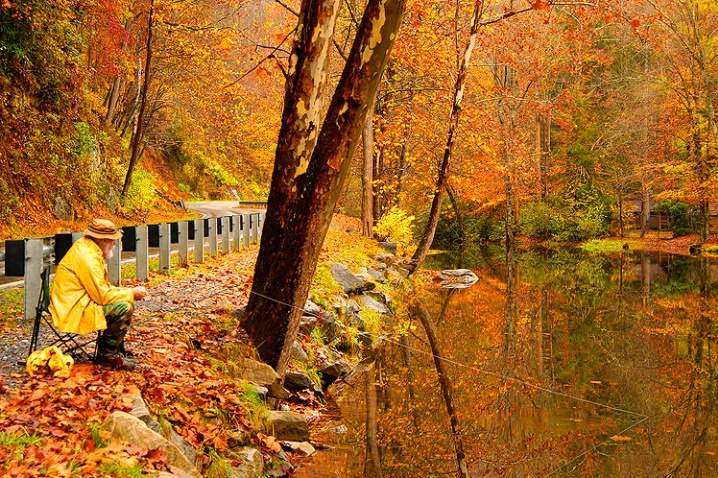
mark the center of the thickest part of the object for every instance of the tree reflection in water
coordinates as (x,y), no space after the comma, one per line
(633,333)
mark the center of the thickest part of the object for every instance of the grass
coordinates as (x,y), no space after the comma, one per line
(22,440)
(116,470)
(615,245)
(11,304)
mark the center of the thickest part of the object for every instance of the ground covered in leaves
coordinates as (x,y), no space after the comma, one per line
(185,338)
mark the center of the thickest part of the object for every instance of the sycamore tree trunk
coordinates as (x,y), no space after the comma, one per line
(311,164)
(428,236)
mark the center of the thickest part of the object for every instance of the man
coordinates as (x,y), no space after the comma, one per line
(83,300)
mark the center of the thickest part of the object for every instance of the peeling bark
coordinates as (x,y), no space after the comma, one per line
(300,206)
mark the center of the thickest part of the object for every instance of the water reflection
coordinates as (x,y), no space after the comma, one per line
(559,363)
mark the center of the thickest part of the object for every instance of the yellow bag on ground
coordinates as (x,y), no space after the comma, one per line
(50,359)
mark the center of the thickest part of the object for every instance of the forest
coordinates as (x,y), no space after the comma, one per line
(556,120)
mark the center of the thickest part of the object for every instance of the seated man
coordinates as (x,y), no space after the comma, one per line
(84,301)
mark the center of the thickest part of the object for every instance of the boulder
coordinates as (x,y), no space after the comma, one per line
(376,275)
(298,353)
(297,381)
(332,370)
(264,376)
(328,326)
(349,282)
(244,462)
(238,439)
(372,304)
(139,410)
(458,278)
(287,426)
(126,428)
(298,447)
(389,247)
(310,308)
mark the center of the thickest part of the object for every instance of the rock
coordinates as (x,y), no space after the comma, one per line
(328,325)
(379,296)
(376,275)
(187,450)
(287,426)
(307,323)
(340,430)
(371,304)
(310,308)
(297,381)
(63,210)
(349,282)
(331,371)
(238,439)
(298,447)
(298,353)
(279,466)
(139,410)
(458,279)
(245,462)
(126,428)
(264,376)
(389,247)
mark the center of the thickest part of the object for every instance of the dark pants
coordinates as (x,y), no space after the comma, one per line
(119,318)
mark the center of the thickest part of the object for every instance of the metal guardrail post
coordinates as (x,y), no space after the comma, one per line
(182,241)
(262,216)
(255,228)
(212,237)
(165,252)
(142,260)
(236,231)
(32,271)
(114,264)
(245,230)
(225,233)
(199,240)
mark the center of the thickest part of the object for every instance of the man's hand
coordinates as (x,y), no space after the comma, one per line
(139,292)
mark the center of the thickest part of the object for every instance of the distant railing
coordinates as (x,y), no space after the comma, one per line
(27,257)
(253,204)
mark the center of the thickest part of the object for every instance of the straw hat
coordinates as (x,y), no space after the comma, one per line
(103,229)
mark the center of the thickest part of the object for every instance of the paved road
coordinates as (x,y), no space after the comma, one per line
(218,208)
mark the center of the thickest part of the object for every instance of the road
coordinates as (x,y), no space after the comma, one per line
(218,208)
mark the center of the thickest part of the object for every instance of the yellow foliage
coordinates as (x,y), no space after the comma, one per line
(395,226)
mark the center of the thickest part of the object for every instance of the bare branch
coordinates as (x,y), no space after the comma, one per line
(288,8)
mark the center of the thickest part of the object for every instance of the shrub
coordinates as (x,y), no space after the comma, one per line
(684,218)
(141,197)
(395,226)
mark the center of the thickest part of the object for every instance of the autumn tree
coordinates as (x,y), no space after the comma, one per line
(311,164)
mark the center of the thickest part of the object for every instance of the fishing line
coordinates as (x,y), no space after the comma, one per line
(500,376)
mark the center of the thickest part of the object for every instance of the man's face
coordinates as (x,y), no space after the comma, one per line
(107,246)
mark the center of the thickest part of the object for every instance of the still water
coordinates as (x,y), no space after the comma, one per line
(556,363)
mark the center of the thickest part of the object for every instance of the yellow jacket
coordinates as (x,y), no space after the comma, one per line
(80,289)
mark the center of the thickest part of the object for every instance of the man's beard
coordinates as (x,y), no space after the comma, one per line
(108,252)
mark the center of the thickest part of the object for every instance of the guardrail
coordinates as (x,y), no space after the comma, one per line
(27,257)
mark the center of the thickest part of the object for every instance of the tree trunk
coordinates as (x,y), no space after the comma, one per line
(372,468)
(139,131)
(428,236)
(367,177)
(420,310)
(543,133)
(311,165)
(508,185)
(455,207)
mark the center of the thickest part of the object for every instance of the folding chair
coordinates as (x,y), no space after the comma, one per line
(73,344)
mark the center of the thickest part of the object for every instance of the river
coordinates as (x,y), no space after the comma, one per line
(562,363)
